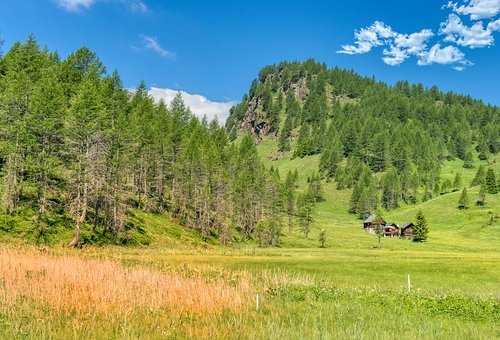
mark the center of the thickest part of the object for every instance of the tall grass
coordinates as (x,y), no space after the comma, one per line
(76,285)
(62,294)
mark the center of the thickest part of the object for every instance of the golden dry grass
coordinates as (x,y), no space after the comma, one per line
(71,284)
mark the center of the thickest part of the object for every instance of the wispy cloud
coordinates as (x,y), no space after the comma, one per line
(138,6)
(79,5)
(75,5)
(152,44)
(399,47)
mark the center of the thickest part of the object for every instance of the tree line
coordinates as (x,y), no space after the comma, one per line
(79,150)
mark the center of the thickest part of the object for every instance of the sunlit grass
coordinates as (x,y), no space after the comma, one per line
(127,293)
(75,285)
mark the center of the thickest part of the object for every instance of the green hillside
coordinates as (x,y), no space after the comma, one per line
(378,148)
(451,228)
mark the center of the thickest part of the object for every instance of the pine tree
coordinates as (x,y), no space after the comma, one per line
(314,189)
(421,229)
(437,188)
(379,158)
(481,198)
(289,198)
(391,190)
(247,186)
(285,134)
(274,114)
(463,202)
(330,159)
(479,177)
(427,195)
(293,110)
(490,182)
(304,212)
(86,146)
(357,192)
(368,201)
(457,182)
(483,151)
(446,186)
(363,198)
(468,160)
(303,147)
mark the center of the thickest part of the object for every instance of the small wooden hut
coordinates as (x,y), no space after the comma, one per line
(392,230)
(371,224)
(407,230)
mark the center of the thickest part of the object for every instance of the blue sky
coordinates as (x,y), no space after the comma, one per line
(215,48)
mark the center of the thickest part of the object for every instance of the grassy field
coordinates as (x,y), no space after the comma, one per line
(315,294)
(181,287)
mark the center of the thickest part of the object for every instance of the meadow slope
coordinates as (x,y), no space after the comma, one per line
(351,289)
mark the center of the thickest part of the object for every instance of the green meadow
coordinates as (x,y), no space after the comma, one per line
(356,287)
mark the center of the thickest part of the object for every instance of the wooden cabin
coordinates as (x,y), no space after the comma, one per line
(371,224)
(407,230)
(392,230)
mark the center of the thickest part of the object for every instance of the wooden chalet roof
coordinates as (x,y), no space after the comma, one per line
(407,225)
(371,219)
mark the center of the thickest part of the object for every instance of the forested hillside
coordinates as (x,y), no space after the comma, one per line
(80,155)
(386,143)
(85,161)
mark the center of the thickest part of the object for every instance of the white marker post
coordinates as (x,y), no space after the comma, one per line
(409,284)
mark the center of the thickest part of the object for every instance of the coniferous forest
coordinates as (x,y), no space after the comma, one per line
(386,143)
(80,151)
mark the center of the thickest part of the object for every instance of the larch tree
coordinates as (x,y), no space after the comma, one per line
(463,201)
(479,177)
(421,229)
(87,147)
(481,198)
(304,212)
(490,182)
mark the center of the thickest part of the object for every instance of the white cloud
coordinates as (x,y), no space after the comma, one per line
(199,105)
(414,43)
(406,45)
(494,26)
(449,55)
(475,36)
(153,44)
(367,38)
(399,47)
(477,9)
(77,5)
(394,56)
